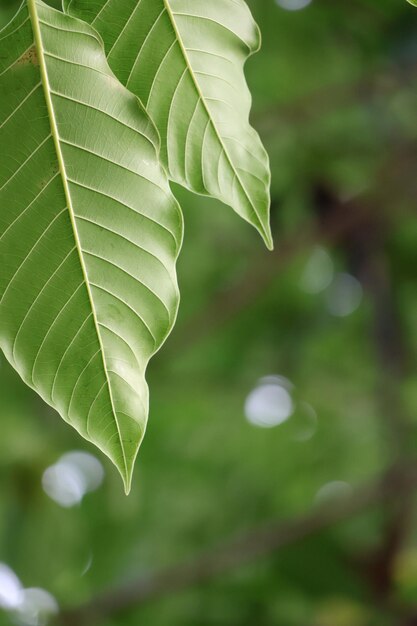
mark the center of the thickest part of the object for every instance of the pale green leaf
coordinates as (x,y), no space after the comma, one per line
(89,231)
(185,59)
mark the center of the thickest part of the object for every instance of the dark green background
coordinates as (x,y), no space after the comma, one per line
(335,100)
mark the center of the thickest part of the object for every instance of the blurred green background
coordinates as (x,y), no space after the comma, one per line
(289,382)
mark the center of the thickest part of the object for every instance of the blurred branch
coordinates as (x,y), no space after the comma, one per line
(393,359)
(390,347)
(396,483)
(263,271)
(333,228)
(364,249)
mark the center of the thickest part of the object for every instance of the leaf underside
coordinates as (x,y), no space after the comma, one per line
(89,231)
(185,60)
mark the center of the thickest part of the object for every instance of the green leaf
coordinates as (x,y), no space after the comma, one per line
(90,231)
(413,2)
(185,62)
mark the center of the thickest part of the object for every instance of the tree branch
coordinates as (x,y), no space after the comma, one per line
(263,271)
(242,550)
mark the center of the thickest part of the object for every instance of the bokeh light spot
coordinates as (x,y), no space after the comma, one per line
(72,477)
(11,590)
(270,403)
(318,271)
(293,5)
(36,608)
(333,491)
(344,295)
(305,422)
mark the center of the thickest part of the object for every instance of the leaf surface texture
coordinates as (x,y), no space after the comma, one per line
(89,231)
(185,60)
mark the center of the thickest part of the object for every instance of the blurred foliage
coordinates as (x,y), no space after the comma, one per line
(334,92)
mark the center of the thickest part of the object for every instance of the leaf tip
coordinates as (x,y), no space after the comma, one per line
(127,479)
(125,467)
(266,234)
(269,243)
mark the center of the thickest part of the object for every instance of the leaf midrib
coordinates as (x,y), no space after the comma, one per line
(171,16)
(37,34)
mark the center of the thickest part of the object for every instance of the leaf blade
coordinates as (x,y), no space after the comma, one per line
(186,64)
(91,226)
